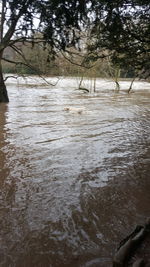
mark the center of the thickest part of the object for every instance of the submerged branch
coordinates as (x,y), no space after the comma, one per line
(11,76)
(32,68)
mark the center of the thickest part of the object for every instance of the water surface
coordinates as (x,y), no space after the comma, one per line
(72,185)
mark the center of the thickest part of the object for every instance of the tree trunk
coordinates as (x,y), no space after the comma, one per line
(3,91)
(117,76)
(131,85)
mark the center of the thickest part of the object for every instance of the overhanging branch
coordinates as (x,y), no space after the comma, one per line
(32,68)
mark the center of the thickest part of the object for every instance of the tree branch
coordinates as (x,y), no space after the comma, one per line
(32,68)
(14,21)
(75,63)
(11,76)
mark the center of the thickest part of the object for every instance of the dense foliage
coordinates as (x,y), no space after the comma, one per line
(122,27)
(23,20)
(119,29)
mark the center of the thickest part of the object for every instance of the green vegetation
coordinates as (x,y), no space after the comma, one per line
(39,63)
(100,37)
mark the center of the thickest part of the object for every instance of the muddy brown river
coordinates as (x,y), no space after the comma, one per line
(72,184)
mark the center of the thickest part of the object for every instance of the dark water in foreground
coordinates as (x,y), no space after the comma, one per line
(71,185)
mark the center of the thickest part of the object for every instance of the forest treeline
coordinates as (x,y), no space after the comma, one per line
(38,62)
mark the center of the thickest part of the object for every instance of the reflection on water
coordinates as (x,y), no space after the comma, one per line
(72,185)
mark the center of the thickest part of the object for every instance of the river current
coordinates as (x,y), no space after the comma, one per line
(74,172)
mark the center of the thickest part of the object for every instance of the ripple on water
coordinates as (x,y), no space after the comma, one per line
(72,185)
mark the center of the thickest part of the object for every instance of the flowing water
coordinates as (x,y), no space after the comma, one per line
(72,184)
